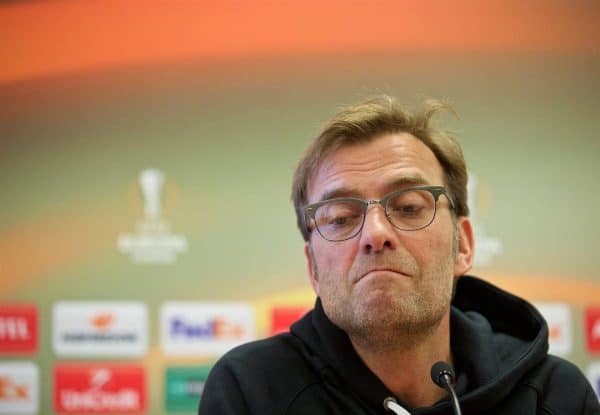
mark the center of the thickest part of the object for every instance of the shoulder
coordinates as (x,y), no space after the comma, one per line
(266,356)
(562,387)
(263,376)
(555,371)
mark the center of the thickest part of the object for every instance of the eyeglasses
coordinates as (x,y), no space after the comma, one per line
(408,209)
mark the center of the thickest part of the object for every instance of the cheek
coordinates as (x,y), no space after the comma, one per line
(429,247)
(335,258)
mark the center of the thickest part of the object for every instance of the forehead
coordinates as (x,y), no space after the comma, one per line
(368,169)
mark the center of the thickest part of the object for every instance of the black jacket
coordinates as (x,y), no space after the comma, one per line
(499,343)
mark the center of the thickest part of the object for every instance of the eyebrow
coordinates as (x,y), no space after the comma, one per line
(402,182)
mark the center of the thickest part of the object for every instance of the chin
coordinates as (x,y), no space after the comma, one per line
(374,298)
(378,306)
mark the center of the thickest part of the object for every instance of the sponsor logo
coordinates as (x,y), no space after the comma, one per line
(560,329)
(100,329)
(479,200)
(153,242)
(86,389)
(18,329)
(19,388)
(183,387)
(283,317)
(593,373)
(205,328)
(592,329)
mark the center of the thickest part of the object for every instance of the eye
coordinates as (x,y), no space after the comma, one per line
(408,210)
(410,205)
(340,220)
(338,215)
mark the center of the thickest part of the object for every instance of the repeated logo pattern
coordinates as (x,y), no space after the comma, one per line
(192,329)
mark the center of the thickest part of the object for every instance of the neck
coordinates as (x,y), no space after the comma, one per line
(404,367)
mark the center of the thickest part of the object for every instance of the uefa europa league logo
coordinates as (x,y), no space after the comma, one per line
(153,242)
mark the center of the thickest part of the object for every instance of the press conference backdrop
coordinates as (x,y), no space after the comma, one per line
(147,154)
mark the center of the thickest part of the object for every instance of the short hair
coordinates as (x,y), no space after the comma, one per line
(370,119)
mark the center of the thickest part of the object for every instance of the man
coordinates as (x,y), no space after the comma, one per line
(380,198)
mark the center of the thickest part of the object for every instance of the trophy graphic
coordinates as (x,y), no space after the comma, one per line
(151,184)
(153,242)
(487,246)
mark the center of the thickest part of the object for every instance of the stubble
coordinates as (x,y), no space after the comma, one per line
(381,316)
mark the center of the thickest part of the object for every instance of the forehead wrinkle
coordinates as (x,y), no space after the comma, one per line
(406,180)
(408,158)
(334,176)
(338,165)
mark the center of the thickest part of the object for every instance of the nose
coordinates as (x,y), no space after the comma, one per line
(377,233)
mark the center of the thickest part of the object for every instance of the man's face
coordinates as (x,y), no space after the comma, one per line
(386,279)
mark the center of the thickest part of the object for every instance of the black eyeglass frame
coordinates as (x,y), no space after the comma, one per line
(436,191)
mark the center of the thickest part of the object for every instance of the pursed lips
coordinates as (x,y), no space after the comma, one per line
(382,270)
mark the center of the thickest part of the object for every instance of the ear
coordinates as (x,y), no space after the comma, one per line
(466,246)
(312,274)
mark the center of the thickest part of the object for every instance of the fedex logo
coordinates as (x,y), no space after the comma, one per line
(205,328)
(19,384)
(215,328)
(89,389)
(18,329)
(592,329)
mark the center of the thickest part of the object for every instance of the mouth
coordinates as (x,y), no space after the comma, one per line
(382,271)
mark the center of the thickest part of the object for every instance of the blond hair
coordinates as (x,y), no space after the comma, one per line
(364,122)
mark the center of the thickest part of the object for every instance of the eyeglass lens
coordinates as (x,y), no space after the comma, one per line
(409,210)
